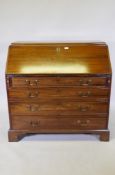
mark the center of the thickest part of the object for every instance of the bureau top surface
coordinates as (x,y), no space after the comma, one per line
(58,58)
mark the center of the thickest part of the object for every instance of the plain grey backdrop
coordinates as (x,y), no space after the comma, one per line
(56,21)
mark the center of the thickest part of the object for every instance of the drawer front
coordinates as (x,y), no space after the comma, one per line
(57,81)
(57,124)
(59,92)
(53,107)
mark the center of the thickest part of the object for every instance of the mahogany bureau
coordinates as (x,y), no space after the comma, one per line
(58,88)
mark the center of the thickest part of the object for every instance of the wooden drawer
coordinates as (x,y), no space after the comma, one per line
(59,92)
(60,107)
(57,81)
(57,124)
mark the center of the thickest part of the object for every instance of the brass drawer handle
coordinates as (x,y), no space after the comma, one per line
(85,83)
(35,124)
(33,95)
(33,108)
(86,94)
(83,123)
(83,109)
(32,83)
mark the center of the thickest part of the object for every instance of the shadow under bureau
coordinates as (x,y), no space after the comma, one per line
(58,88)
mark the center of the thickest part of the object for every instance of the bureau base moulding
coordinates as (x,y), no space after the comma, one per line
(15,135)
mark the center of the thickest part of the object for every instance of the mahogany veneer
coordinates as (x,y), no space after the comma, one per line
(58,88)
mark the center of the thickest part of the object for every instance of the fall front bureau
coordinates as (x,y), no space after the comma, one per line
(58,88)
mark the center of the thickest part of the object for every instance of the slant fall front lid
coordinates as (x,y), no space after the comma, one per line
(58,58)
